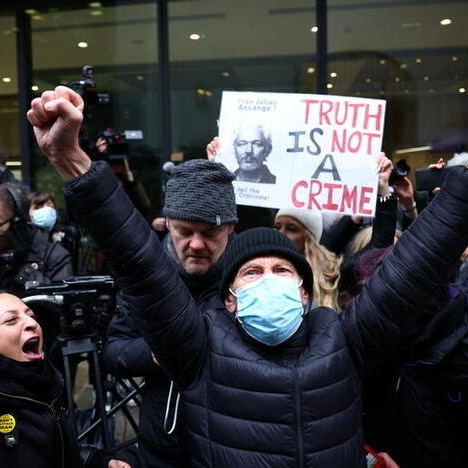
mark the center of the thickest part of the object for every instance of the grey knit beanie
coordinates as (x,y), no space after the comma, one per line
(201,190)
(260,242)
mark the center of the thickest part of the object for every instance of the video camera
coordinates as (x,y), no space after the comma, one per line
(85,88)
(117,142)
(400,170)
(86,303)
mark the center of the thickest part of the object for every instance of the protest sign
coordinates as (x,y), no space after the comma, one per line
(302,150)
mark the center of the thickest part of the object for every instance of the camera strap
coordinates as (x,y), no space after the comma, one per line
(33,266)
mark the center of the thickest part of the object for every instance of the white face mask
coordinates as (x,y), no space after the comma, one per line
(270,309)
(44,217)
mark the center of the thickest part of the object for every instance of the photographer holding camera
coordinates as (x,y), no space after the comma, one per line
(403,189)
(26,253)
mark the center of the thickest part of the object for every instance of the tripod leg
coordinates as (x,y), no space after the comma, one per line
(68,383)
(69,389)
(101,401)
(78,346)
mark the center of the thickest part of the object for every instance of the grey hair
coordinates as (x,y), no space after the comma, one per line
(264,130)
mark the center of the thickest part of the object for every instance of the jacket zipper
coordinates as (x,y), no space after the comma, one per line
(55,417)
(298,409)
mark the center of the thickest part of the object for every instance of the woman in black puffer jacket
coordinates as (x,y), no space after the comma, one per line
(35,428)
(33,421)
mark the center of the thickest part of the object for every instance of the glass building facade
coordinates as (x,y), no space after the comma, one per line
(161,67)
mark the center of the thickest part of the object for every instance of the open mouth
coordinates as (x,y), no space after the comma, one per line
(32,348)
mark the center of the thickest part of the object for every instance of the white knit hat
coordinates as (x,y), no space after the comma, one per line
(312,220)
(458,159)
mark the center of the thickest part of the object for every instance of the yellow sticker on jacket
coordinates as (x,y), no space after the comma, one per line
(7,423)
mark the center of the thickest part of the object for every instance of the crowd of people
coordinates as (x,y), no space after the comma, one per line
(292,343)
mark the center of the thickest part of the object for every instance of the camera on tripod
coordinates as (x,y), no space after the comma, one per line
(86,303)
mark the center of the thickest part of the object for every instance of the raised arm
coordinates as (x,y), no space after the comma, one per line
(410,285)
(163,308)
(56,118)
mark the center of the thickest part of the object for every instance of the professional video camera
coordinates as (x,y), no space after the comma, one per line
(85,88)
(117,142)
(86,303)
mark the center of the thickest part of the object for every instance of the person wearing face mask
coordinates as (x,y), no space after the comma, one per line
(265,380)
(26,252)
(43,210)
(43,213)
(35,427)
(45,217)
(267,285)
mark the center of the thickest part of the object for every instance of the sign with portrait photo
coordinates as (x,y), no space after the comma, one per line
(302,150)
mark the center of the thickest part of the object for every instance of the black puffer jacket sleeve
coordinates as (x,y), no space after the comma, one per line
(383,229)
(339,234)
(401,291)
(411,282)
(384,224)
(168,317)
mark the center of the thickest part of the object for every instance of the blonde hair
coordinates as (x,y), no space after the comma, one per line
(326,269)
(360,239)
(464,255)
(363,237)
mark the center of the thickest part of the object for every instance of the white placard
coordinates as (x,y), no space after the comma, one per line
(302,150)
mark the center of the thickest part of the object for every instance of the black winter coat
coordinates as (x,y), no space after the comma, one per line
(418,409)
(35,258)
(298,404)
(127,354)
(34,425)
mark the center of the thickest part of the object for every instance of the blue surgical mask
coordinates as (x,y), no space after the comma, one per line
(270,309)
(44,217)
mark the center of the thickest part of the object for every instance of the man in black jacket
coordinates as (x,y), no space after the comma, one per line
(257,390)
(200,210)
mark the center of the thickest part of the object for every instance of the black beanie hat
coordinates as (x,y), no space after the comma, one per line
(201,190)
(259,242)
